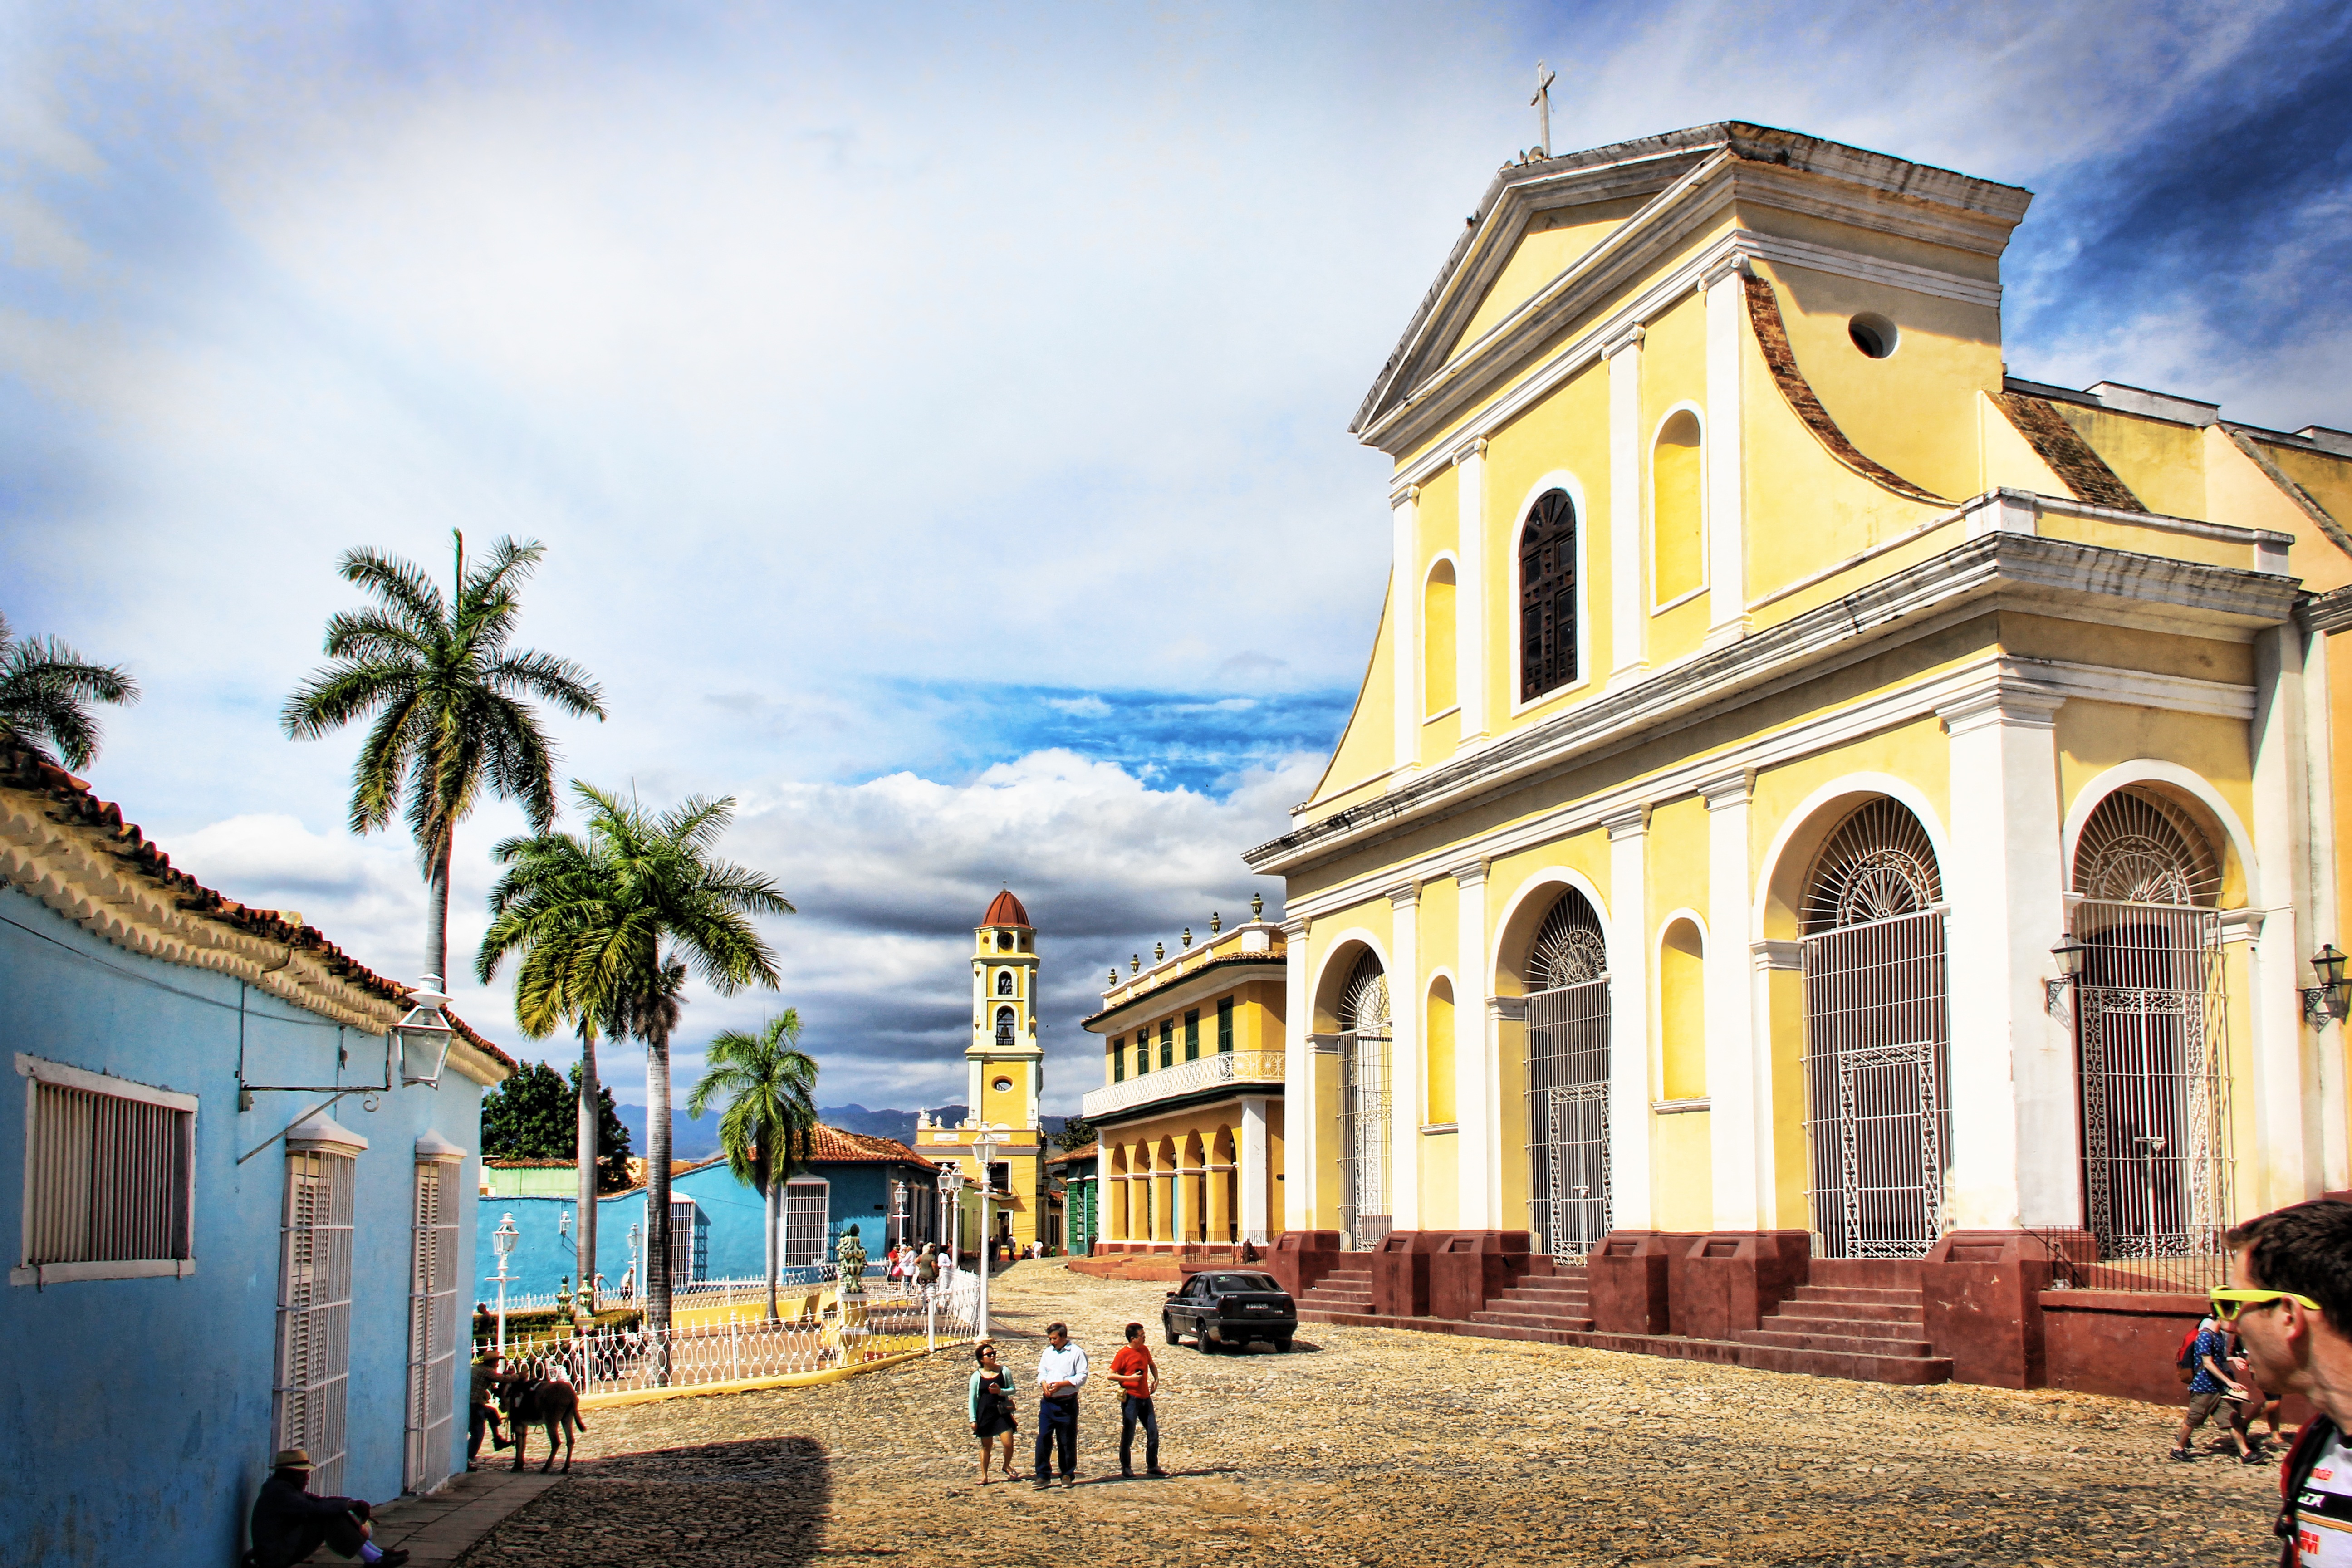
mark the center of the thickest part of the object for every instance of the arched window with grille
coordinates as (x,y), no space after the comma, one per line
(1878,1033)
(1365,1213)
(1547,588)
(1568,1081)
(1004,1021)
(2150,1045)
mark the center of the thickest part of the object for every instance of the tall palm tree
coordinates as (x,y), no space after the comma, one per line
(658,906)
(448,698)
(45,691)
(547,904)
(769,1127)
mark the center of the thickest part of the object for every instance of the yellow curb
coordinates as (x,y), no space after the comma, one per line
(752,1384)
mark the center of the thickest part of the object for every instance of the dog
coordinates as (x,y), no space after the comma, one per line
(531,1402)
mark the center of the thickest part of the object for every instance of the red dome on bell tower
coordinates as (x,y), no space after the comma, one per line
(1006,910)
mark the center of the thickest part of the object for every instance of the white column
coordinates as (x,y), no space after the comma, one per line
(1626,622)
(2334,1159)
(1254,1178)
(2286,1099)
(1729,969)
(2014,1159)
(1725,286)
(1404,1056)
(1405,611)
(1630,1204)
(1470,594)
(1180,1204)
(1298,1108)
(1474,1044)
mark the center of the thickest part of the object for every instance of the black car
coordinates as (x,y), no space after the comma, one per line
(1221,1308)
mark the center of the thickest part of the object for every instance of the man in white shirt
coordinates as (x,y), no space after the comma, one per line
(2290,1298)
(1061,1373)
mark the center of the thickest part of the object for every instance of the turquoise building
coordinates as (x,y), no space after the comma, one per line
(239,1201)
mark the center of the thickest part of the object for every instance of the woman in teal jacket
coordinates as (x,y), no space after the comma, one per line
(992,1409)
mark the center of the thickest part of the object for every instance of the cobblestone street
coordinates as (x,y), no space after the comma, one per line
(1379,1446)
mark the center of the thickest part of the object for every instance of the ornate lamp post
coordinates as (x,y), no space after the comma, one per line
(502,1242)
(950,1210)
(636,1240)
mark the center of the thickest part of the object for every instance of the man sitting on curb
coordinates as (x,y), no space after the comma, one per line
(288,1523)
(2290,1301)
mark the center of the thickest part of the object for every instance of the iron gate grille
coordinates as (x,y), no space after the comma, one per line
(1365,1217)
(314,1312)
(1876,1032)
(2152,1048)
(807,1219)
(1567,1118)
(432,1329)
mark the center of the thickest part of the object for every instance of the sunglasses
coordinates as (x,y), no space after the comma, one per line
(2227,1304)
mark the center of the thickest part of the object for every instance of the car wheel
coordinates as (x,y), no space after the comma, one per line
(1168,1327)
(1208,1342)
(1282,1344)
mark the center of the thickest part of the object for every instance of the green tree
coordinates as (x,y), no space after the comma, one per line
(448,699)
(535,1115)
(767,1128)
(632,910)
(45,691)
(1077,1134)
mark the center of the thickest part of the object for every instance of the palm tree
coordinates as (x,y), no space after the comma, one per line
(652,906)
(548,903)
(769,1128)
(45,691)
(447,697)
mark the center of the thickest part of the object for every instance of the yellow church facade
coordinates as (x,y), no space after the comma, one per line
(1808,783)
(1000,1143)
(1189,1117)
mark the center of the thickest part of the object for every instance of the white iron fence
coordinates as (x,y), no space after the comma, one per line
(819,1329)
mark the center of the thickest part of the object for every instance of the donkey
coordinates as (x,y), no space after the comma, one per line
(541,1402)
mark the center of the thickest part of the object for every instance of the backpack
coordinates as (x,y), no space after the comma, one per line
(2309,1444)
(2184,1360)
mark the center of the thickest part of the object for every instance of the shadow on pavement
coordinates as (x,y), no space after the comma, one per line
(713,1503)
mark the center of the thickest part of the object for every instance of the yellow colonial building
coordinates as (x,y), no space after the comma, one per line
(1190,1116)
(1000,1142)
(1809,784)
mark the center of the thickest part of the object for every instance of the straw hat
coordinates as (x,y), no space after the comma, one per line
(291,1459)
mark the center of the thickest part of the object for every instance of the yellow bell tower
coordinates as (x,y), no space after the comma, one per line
(1004,1070)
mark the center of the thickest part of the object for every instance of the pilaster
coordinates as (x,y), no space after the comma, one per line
(1473,1048)
(2014,1157)
(1725,287)
(1778,993)
(1404,1056)
(2286,1081)
(1254,1175)
(1738,1126)
(1626,623)
(1301,1114)
(1470,594)
(1630,1206)
(1404,615)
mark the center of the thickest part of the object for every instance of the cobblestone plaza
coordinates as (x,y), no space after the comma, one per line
(1390,1447)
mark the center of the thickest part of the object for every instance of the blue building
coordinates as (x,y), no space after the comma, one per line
(716,1218)
(242,1216)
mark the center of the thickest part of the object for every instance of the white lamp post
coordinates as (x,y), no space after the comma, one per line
(502,1242)
(636,1239)
(987,1142)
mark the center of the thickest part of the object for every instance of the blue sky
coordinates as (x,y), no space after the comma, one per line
(936,417)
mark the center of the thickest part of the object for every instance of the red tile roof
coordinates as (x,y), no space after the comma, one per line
(74,806)
(1005,909)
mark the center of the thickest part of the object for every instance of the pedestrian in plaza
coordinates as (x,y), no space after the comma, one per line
(927,1271)
(1061,1373)
(288,1523)
(2212,1392)
(2263,1405)
(2290,1302)
(992,1409)
(1138,1380)
(481,1413)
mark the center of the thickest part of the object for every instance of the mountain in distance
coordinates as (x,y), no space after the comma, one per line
(691,1139)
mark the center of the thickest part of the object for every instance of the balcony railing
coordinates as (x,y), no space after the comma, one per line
(1184,1078)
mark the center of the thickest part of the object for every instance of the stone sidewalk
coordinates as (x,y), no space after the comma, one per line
(437,1531)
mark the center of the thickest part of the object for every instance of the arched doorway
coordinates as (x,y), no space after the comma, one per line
(1568,1081)
(1365,1214)
(2150,1035)
(1877,1030)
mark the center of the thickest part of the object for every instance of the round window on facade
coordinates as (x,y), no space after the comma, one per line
(1872,333)
(1002,1086)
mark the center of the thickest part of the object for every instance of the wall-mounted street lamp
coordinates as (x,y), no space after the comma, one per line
(2066,953)
(2329,999)
(424,1035)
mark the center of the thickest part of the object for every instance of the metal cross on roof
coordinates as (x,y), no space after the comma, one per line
(1545,77)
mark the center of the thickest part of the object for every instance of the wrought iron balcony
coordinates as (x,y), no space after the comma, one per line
(1183,1079)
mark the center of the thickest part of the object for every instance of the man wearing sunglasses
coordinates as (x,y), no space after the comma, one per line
(2290,1300)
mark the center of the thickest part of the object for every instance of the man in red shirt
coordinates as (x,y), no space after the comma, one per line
(1138,1379)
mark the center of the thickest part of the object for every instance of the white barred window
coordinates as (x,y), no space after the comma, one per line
(807,1202)
(110,1173)
(314,1311)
